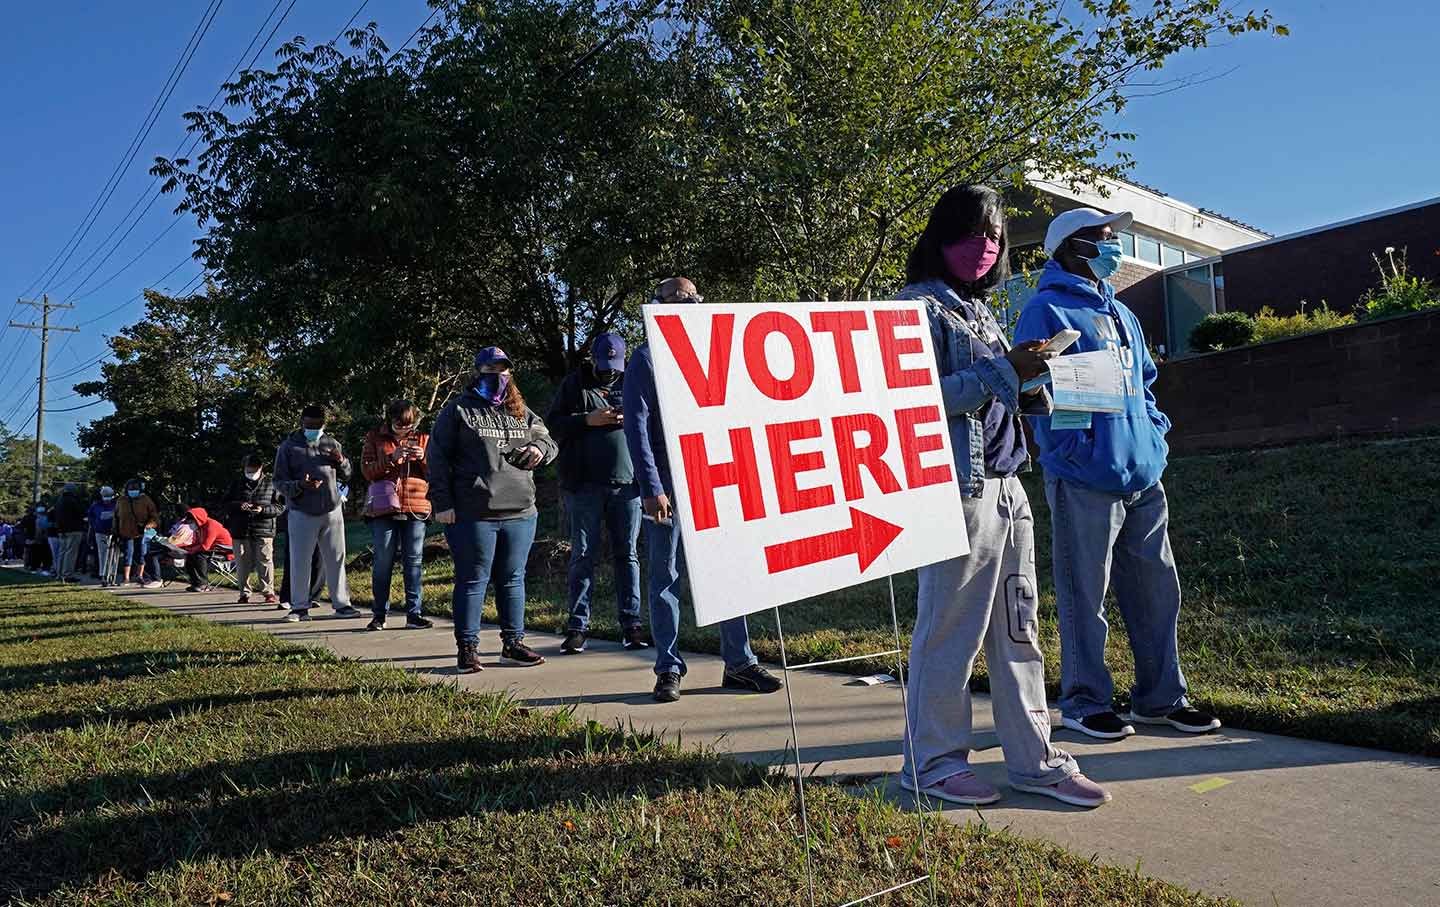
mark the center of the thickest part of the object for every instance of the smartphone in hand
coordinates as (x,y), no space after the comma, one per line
(1061,342)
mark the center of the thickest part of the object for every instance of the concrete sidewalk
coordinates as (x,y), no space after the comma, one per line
(1267,819)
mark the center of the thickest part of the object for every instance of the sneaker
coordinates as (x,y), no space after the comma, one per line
(1077,790)
(244,599)
(635,638)
(152,584)
(965,788)
(272,599)
(517,653)
(754,678)
(574,642)
(347,611)
(1191,721)
(281,606)
(376,623)
(667,687)
(467,660)
(295,617)
(1104,725)
(416,622)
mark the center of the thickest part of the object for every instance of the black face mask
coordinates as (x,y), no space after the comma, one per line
(606,377)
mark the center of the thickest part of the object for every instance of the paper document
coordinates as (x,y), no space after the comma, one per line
(1090,382)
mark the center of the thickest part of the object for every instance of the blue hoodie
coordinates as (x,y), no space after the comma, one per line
(1121,453)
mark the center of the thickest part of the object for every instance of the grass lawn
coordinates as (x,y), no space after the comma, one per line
(1309,574)
(149,758)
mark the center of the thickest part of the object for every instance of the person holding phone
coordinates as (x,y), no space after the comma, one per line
(482,453)
(587,418)
(251,509)
(397,508)
(309,467)
(1108,506)
(986,600)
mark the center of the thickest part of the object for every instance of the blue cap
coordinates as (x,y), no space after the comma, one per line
(489,356)
(608,352)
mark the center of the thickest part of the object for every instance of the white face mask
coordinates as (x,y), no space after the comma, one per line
(252,476)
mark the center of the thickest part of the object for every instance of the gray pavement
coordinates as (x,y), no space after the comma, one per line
(1267,819)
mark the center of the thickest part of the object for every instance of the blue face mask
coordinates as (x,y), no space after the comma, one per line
(493,387)
(1105,264)
(132,493)
(313,434)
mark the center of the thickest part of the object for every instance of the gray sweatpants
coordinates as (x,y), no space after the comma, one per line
(305,533)
(987,598)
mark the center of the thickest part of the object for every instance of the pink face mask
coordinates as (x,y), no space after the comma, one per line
(971,259)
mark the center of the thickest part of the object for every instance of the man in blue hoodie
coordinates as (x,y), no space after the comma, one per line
(1108,507)
(646,441)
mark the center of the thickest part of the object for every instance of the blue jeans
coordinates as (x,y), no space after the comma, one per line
(136,551)
(408,537)
(667,564)
(484,549)
(618,507)
(1098,536)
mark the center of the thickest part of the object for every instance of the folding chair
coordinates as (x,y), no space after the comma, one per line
(222,561)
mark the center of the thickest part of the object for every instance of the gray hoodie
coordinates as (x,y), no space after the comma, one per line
(298,458)
(468,470)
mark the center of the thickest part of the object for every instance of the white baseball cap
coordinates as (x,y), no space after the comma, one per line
(1067,224)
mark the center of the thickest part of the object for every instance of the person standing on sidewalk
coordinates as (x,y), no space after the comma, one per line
(101,519)
(396,506)
(309,465)
(70,525)
(646,440)
(587,418)
(987,599)
(317,570)
(1108,507)
(485,446)
(136,521)
(252,506)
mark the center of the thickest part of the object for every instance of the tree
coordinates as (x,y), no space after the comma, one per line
(17,472)
(187,404)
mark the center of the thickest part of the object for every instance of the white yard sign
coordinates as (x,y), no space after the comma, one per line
(808,445)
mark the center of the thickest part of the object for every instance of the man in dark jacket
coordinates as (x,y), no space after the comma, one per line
(70,526)
(309,468)
(599,484)
(251,506)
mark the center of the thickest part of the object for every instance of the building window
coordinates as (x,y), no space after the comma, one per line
(1147,249)
(1170,256)
(1127,244)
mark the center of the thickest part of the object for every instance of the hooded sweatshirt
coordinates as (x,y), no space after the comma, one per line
(589,454)
(466,455)
(1121,453)
(298,458)
(208,533)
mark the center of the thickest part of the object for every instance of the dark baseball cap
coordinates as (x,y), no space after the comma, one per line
(608,352)
(491,355)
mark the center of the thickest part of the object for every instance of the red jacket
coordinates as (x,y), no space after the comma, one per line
(209,534)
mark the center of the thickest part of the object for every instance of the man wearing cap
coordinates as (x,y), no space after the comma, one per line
(101,518)
(1108,507)
(646,441)
(587,418)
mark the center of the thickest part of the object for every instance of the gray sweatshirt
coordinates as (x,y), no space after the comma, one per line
(468,470)
(297,458)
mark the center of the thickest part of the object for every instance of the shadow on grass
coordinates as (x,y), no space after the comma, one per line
(120,667)
(58,720)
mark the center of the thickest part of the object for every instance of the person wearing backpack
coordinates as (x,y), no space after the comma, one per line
(397,508)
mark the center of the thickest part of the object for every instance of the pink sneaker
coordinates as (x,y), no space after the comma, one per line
(1077,790)
(965,788)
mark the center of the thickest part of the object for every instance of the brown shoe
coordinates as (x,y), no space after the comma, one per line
(468,659)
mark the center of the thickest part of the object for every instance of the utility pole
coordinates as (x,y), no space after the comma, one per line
(46,307)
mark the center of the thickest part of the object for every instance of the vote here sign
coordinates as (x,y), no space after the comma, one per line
(808,444)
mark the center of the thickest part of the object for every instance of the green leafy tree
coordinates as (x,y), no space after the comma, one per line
(17,472)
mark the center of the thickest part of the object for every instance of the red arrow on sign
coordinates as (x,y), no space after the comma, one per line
(867,538)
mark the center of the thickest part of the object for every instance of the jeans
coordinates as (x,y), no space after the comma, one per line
(409,537)
(667,564)
(1093,532)
(618,507)
(486,549)
(136,552)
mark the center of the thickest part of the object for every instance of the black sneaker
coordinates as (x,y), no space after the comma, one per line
(635,638)
(574,642)
(468,658)
(416,622)
(376,623)
(753,678)
(244,599)
(667,687)
(1191,721)
(347,611)
(1104,725)
(517,653)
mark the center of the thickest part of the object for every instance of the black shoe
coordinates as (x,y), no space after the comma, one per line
(416,622)
(347,611)
(244,599)
(753,678)
(635,638)
(376,623)
(574,642)
(1103,725)
(1191,721)
(517,653)
(468,659)
(667,687)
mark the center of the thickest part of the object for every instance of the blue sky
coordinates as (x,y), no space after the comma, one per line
(1335,121)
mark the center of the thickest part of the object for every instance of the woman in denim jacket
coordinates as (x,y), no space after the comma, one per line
(989,597)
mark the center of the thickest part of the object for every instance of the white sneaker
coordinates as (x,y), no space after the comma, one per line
(153,584)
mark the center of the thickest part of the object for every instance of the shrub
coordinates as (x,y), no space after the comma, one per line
(1269,326)
(1222,331)
(1399,291)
